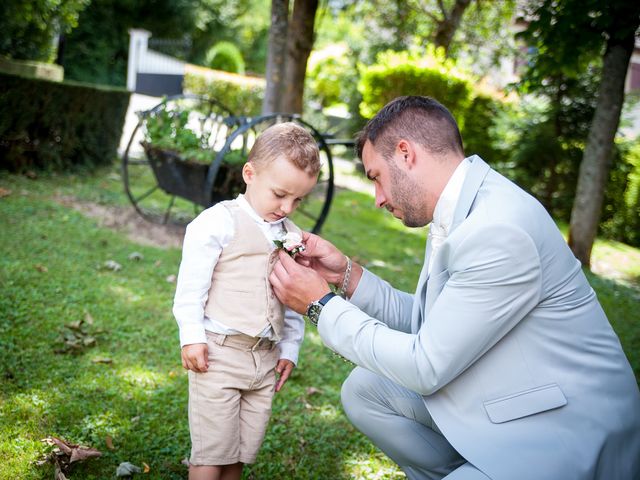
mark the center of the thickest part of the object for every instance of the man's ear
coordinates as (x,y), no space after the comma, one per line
(248,173)
(406,154)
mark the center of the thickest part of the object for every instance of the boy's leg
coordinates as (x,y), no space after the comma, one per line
(232,472)
(255,403)
(214,403)
(205,472)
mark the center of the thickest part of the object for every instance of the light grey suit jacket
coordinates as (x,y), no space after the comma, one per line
(505,339)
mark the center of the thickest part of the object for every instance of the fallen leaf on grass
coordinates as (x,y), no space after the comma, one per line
(112,265)
(109,441)
(75,325)
(88,318)
(41,268)
(171,278)
(313,390)
(4,192)
(157,263)
(101,360)
(126,469)
(147,468)
(64,454)
(58,475)
(136,256)
(75,338)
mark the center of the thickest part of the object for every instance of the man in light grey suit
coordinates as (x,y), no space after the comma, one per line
(502,365)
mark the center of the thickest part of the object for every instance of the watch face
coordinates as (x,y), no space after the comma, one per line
(314,312)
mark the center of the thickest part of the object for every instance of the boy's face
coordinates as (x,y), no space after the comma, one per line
(275,190)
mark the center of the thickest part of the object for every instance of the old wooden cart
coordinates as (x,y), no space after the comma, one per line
(186,154)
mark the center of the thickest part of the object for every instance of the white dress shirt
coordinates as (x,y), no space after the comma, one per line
(445,208)
(205,238)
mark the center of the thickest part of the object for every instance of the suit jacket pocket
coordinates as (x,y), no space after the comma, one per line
(525,403)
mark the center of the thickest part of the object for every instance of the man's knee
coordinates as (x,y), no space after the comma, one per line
(355,389)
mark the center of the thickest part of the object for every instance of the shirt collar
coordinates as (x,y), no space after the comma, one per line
(244,204)
(446,206)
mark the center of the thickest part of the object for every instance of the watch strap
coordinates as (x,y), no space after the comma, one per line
(323,301)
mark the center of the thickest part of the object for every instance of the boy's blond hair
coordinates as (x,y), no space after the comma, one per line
(290,140)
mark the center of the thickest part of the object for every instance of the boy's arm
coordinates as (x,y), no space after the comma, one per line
(289,345)
(292,336)
(204,240)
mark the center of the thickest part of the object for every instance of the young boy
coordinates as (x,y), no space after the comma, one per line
(233,331)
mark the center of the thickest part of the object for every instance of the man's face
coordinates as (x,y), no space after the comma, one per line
(395,190)
(276,189)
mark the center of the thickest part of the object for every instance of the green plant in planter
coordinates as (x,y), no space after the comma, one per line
(168,130)
(183,155)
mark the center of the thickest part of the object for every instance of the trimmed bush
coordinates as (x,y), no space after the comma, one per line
(241,94)
(225,56)
(58,126)
(430,74)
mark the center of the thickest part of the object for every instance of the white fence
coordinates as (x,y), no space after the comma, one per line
(150,72)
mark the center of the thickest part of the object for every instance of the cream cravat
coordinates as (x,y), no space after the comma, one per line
(437,236)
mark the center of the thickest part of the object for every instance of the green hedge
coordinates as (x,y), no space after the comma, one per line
(404,73)
(241,94)
(57,126)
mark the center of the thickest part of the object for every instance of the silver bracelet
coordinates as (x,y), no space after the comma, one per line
(345,281)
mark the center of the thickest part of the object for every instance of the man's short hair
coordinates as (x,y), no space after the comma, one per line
(420,119)
(290,141)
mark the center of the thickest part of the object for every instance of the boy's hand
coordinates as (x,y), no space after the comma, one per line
(283,369)
(195,357)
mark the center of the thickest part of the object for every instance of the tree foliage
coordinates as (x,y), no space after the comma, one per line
(97,49)
(478,33)
(568,38)
(28,27)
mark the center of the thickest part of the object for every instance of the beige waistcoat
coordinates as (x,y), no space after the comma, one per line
(241,296)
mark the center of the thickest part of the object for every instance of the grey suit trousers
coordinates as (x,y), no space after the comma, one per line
(397,421)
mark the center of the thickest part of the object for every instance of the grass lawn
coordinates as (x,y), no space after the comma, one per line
(121,388)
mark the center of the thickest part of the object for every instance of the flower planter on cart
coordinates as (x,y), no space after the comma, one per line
(166,186)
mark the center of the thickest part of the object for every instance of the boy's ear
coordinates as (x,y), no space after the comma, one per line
(248,173)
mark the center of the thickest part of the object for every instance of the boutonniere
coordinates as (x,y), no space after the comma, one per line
(291,243)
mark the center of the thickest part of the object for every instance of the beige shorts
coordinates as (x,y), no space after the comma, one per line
(230,404)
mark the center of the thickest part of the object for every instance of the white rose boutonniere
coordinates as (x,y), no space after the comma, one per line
(291,243)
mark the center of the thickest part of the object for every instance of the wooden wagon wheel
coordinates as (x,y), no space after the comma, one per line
(313,211)
(162,185)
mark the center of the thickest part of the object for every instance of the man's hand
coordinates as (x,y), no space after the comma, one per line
(283,369)
(296,285)
(323,257)
(195,357)
(328,261)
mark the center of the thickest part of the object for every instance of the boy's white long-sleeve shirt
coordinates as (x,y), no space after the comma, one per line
(205,238)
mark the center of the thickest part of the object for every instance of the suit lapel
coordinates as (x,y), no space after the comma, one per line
(417,313)
(475,176)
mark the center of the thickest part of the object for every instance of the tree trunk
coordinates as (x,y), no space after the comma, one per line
(276,57)
(299,45)
(448,26)
(596,160)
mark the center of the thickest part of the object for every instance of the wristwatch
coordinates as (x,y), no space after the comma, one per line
(314,308)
